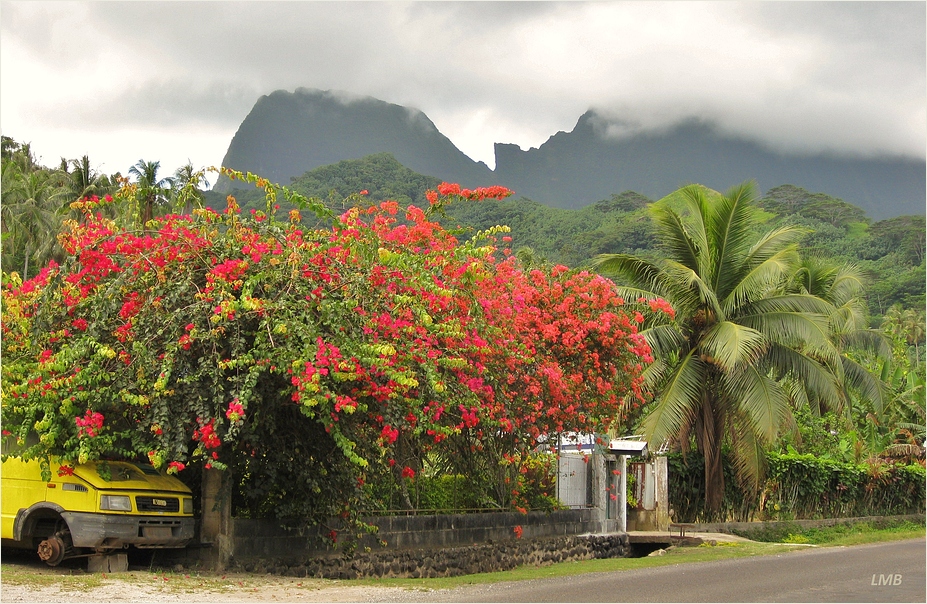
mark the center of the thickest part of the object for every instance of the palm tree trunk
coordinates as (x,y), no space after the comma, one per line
(148,211)
(708,435)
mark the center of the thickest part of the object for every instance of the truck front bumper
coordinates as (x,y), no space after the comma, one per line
(113,530)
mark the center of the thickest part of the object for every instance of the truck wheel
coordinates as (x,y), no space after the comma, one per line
(51,551)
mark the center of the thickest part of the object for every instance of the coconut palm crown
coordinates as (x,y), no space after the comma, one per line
(720,365)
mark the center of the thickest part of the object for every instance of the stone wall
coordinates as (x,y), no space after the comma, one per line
(268,539)
(424,546)
(224,541)
(445,562)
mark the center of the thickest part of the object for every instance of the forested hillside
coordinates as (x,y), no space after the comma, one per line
(890,251)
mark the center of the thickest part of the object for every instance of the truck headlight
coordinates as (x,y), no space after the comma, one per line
(119,503)
(187,505)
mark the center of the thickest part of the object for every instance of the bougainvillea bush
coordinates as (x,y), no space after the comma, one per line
(317,358)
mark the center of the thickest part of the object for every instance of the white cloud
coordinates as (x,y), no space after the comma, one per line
(805,76)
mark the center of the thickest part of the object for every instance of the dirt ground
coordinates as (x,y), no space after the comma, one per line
(278,590)
(24,578)
(142,586)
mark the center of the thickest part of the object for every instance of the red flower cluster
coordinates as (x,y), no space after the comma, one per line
(479,194)
(230,270)
(661,305)
(389,435)
(206,434)
(89,425)
(235,412)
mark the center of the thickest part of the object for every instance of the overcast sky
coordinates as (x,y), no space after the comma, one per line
(171,81)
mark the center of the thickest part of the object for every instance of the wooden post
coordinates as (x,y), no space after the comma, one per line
(661,492)
(216,524)
(623,494)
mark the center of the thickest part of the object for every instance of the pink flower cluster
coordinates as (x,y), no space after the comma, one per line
(90,424)
(235,412)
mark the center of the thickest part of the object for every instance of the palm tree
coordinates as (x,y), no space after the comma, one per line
(913,324)
(29,222)
(187,183)
(907,326)
(842,286)
(152,191)
(85,181)
(719,366)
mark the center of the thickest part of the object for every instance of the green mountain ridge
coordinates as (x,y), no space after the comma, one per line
(289,133)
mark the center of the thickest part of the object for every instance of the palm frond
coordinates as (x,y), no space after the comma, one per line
(871,340)
(679,242)
(795,390)
(691,290)
(678,401)
(773,242)
(845,289)
(802,303)
(847,318)
(791,328)
(728,235)
(640,273)
(749,454)
(815,379)
(858,378)
(762,402)
(759,279)
(655,373)
(730,345)
(664,339)
(699,209)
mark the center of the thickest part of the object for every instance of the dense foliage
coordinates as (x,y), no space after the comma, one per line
(884,262)
(800,486)
(322,363)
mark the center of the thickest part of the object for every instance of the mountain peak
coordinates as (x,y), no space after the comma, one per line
(289,133)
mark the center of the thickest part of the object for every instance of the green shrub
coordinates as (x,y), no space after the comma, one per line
(801,486)
(447,493)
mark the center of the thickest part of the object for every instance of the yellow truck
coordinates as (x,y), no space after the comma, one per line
(78,513)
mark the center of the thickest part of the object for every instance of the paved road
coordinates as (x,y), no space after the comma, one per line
(884,572)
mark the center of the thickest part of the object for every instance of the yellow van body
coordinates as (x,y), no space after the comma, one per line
(71,514)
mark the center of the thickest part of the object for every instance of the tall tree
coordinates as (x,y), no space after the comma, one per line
(29,221)
(187,191)
(84,181)
(152,191)
(842,287)
(907,326)
(736,334)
